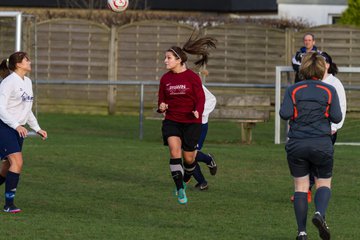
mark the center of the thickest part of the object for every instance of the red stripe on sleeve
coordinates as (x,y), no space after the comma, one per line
(294,99)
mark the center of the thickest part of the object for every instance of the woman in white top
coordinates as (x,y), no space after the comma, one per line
(330,78)
(16,100)
(207,158)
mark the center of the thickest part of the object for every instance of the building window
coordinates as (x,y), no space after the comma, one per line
(334,18)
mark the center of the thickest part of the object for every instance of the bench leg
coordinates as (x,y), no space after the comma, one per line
(246,132)
(243,133)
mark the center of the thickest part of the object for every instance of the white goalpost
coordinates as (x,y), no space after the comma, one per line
(279,85)
(18,19)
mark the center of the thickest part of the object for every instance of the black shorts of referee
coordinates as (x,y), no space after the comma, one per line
(189,133)
(311,155)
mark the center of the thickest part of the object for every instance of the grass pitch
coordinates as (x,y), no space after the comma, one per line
(93,179)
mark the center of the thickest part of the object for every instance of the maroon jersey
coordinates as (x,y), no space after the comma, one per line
(184,94)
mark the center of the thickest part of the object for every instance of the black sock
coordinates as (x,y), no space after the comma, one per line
(301,209)
(321,200)
(186,177)
(201,157)
(2,179)
(11,183)
(177,171)
(199,177)
(189,168)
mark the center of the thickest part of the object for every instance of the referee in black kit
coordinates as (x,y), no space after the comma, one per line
(311,106)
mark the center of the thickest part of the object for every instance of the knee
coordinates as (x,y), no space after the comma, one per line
(175,153)
(16,165)
(302,185)
(302,188)
(323,183)
(189,159)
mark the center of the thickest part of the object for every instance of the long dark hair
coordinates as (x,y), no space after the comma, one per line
(9,64)
(333,69)
(195,46)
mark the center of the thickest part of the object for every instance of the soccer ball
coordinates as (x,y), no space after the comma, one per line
(118,5)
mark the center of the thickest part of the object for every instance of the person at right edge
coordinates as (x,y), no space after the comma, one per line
(311,106)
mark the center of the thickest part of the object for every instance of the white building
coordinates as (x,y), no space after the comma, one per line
(314,12)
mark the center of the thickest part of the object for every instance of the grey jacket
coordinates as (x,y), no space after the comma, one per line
(310,105)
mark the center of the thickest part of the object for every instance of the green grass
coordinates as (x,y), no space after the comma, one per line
(93,179)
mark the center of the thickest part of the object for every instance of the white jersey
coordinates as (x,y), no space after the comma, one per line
(16,100)
(210,102)
(336,83)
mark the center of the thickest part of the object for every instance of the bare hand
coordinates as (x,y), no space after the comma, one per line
(43,134)
(163,106)
(333,132)
(23,132)
(196,114)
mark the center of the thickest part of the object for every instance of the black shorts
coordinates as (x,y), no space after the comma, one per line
(307,156)
(189,133)
(10,141)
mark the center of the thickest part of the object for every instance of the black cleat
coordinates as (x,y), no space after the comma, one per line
(202,186)
(301,236)
(321,225)
(212,166)
(11,209)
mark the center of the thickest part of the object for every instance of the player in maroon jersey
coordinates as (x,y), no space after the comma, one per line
(182,99)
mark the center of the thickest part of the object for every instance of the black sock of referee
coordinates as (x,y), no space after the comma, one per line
(11,183)
(301,209)
(2,179)
(177,171)
(321,200)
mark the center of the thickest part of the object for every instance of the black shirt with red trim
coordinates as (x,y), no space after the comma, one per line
(310,105)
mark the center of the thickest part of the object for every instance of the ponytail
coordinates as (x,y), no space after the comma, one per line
(4,69)
(333,69)
(312,66)
(200,46)
(195,46)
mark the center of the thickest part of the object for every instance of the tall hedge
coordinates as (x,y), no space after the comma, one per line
(352,14)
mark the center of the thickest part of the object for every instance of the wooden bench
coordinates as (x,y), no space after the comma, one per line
(245,109)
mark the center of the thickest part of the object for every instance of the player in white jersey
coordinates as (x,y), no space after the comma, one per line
(207,158)
(16,100)
(330,78)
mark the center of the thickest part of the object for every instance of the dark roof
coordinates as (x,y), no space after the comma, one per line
(32,3)
(176,5)
(215,5)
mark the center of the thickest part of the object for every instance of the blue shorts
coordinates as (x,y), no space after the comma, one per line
(204,130)
(10,141)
